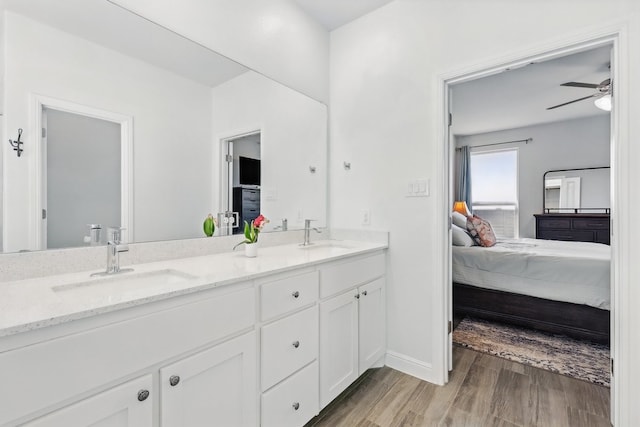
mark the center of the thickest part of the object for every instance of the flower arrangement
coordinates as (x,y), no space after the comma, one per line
(252,230)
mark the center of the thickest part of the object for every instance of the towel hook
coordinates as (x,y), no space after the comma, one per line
(17,144)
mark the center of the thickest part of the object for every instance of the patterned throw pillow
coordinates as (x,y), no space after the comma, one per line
(481,231)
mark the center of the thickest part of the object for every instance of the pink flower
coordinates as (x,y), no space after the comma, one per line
(260,221)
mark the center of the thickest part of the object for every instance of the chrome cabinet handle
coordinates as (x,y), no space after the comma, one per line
(296,344)
(296,294)
(364,293)
(296,406)
(357,296)
(142,395)
(174,380)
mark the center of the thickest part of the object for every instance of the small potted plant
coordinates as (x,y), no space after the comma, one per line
(251,232)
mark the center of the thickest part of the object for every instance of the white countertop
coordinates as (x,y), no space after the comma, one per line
(31,304)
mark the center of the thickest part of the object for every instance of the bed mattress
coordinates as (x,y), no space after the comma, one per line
(577,272)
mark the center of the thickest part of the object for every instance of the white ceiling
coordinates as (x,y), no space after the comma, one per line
(519,97)
(335,13)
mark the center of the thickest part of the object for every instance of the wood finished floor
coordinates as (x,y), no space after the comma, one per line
(483,390)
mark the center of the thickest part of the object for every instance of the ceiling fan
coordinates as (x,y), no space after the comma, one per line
(603,89)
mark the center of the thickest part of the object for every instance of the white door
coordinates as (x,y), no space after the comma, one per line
(570,193)
(371,324)
(338,345)
(216,387)
(127,405)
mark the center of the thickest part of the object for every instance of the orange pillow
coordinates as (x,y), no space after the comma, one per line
(481,231)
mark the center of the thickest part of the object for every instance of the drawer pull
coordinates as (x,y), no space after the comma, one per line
(142,395)
(357,296)
(296,294)
(364,293)
(296,344)
(174,380)
(296,406)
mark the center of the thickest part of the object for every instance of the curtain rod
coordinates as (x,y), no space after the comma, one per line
(526,141)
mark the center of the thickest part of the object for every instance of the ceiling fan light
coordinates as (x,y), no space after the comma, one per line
(604,102)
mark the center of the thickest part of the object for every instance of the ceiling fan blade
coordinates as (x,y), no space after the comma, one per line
(575,100)
(578,84)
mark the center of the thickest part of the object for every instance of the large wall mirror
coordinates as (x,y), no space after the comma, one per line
(581,190)
(128,124)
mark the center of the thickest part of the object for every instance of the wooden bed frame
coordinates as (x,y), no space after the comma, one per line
(574,320)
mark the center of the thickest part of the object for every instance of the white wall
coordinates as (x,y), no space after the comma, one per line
(272,37)
(293,137)
(385,118)
(171,122)
(569,144)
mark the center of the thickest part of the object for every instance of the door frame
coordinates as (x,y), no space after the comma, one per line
(617,37)
(37,178)
(225,201)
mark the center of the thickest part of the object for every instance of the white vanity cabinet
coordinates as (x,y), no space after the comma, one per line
(352,322)
(216,386)
(289,350)
(126,405)
(56,376)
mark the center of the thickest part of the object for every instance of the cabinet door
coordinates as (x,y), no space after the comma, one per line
(371,314)
(338,345)
(127,405)
(216,387)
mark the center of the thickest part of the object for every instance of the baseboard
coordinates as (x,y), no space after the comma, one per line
(410,366)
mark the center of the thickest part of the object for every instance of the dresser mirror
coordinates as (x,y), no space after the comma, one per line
(580,190)
(125,123)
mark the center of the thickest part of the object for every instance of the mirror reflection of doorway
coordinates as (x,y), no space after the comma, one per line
(82,173)
(243,179)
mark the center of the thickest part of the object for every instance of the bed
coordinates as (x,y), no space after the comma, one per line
(554,286)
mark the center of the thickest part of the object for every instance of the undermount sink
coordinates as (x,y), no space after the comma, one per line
(128,278)
(324,244)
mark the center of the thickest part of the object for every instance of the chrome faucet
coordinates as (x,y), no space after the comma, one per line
(114,247)
(307,232)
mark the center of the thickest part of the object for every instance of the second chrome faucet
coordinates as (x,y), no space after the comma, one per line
(307,232)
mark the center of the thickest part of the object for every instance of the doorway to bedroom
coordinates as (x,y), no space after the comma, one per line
(530,262)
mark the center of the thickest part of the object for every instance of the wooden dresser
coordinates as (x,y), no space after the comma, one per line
(573,227)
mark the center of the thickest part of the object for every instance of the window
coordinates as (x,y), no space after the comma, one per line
(494,189)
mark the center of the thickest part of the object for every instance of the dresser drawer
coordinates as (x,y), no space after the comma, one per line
(288,344)
(250,196)
(591,224)
(568,235)
(340,277)
(284,295)
(293,402)
(554,224)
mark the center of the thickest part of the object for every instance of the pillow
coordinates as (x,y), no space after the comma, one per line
(481,231)
(459,219)
(460,237)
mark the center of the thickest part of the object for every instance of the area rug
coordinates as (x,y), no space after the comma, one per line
(557,353)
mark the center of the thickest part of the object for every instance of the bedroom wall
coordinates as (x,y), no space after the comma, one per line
(384,119)
(568,144)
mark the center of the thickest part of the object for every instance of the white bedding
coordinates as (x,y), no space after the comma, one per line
(577,272)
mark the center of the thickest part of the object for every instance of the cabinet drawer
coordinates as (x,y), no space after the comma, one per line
(288,345)
(250,196)
(50,372)
(288,294)
(554,224)
(591,224)
(294,402)
(340,277)
(568,235)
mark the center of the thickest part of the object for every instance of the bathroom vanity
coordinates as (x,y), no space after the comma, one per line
(211,340)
